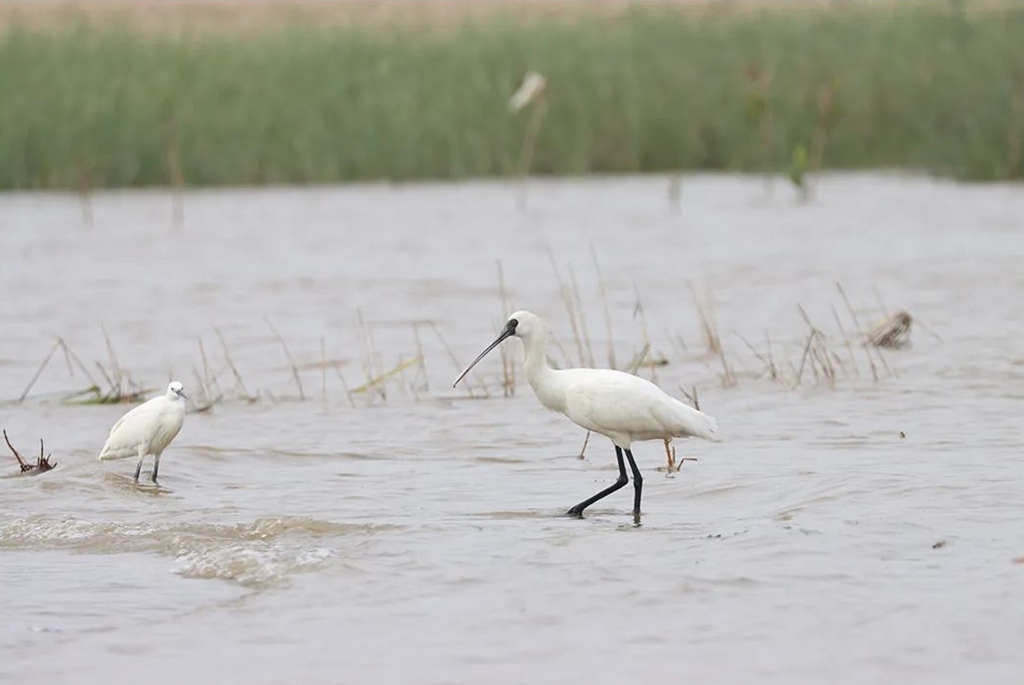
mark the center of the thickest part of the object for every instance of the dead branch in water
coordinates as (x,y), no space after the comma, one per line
(42,464)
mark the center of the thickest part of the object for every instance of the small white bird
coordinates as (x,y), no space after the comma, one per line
(147,429)
(623,407)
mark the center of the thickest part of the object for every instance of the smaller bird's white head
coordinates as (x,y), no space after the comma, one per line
(176,391)
(522,324)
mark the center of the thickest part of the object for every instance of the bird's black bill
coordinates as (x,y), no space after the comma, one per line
(510,329)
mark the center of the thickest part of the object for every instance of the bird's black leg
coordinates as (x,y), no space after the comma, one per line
(156,468)
(577,511)
(638,486)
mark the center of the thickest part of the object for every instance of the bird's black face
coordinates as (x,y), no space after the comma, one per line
(509,330)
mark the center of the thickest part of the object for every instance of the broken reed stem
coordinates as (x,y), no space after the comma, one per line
(584,448)
(604,304)
(846,339)
(452,357)
(694,400)
(769,367)
(634,364)
(344,384)
(638,308)
(569,308)
(860,331)
(231,364)
(115,367)
(288,354)
(771,357)
(508,369)
(39,371)
(583,321)
(209,379)
(323,369)
(377,381)
(707,320)
(419,352)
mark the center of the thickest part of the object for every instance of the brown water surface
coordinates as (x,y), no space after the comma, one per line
(417,537)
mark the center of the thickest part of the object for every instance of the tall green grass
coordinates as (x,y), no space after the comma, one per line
(933,89)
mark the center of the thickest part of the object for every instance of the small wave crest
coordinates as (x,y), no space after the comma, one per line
(256,553)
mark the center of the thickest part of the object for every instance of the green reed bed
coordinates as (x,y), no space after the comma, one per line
(921,88)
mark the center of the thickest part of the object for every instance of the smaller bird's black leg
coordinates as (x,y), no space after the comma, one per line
(156,468)
(577,510)
(138,467)
(638,486)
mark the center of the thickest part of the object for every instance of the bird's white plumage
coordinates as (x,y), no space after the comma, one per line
(623,407)
(148,428)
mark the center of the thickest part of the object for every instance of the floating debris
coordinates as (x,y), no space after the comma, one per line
(894,332)
(42,464)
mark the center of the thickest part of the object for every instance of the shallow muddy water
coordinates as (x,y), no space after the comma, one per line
(416,536)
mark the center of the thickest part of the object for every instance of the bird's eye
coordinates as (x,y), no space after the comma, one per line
(512,323)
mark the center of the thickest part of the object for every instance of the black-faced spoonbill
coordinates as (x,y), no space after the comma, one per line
(622,407)
(147,429)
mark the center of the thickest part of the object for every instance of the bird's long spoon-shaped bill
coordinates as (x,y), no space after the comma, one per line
(509,330)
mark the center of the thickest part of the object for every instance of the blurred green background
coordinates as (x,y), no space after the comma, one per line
(99,102)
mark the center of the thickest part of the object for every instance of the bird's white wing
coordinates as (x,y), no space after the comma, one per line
(609,401)
(131,430)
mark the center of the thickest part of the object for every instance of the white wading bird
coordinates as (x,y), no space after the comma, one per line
(147,429)
(618,405)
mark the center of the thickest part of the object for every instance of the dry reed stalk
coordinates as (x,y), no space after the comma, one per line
(323,371)
(604,304)
(818,353)
(291,361)
(566,294)
(39,371)
(508,369)
(206,365)
(234,370)
(846,340)
(377,381)
(638,359)
(583,322)
(638,309)
(115,367)
(860,331)
(202,399)
(424,379)
(454,360)
(369,349)
(583,449)
(769,364)
(344,384)
(70,357)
